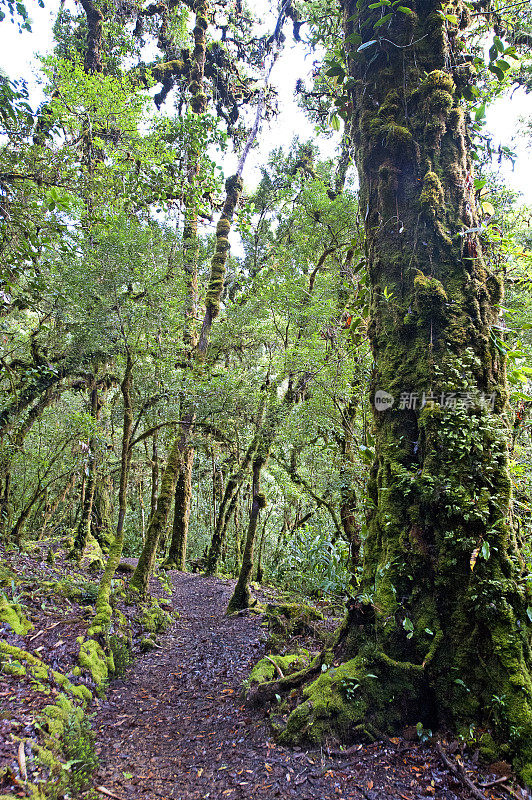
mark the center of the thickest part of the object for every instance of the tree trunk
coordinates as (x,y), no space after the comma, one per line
(157,525)
(154,475)
(102,512)
(441,617)
(260,571)
(275,416)
(177,555)
(230,495)
(238,535)
(242,597)
(84,527)
(103,609)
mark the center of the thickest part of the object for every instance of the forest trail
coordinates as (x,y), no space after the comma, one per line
(176,726)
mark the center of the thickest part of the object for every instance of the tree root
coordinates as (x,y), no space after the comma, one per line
(265,692)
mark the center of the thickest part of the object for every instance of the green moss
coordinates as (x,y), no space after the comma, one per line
(154,618)
(13,615)
(92,658)
(14,668)
(437,80)
(440,101)
(429,291)
(456,119)
(432,195)
(82,693)
(294,611)
(265,670)
(148,643)
(92,554)
(325,708)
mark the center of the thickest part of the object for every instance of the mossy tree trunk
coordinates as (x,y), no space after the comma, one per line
(242,597)
(177,554)
(441,616)
(84,527)
(154,474)
(102,512)
(141,576)
(103,608)
(275,416)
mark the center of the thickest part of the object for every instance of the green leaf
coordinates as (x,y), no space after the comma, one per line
(485,551)
(480,113)
(511,53)
(335,71)
(496,71)
(504,65)
(354,38)
(382,21)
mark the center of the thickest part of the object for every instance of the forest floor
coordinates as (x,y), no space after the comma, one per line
(175,725)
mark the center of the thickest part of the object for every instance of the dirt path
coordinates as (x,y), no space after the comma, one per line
(176,725)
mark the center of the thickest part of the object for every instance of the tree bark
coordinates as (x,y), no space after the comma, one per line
(441,616)
(229,499)
(275,416)
(177,555)
(141,576)
(242,597)
(84,527)
(103,609)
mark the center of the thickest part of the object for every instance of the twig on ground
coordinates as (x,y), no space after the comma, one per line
(345,753)
(458,769)
(277,667)
(495,782)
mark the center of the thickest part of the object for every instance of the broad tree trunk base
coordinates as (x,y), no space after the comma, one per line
(355,691)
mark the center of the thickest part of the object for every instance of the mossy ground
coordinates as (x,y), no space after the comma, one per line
(53,600)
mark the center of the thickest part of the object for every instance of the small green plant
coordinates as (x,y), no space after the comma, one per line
(350,686)
(78,747)
(424,734)
(120,649)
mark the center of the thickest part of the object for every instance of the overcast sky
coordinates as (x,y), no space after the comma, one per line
(17,58)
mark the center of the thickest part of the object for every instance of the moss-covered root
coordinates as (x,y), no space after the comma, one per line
(13,615)
(354,699)
(271,667)
(242,598)
(92,657)
(9,654)
(102,618)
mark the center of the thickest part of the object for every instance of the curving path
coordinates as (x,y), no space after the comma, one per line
(176,726)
